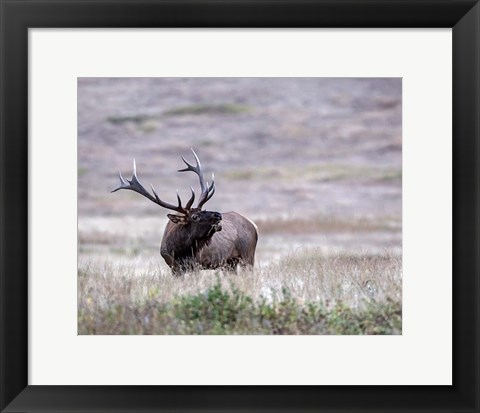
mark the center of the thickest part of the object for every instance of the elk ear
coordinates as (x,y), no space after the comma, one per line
(176,219)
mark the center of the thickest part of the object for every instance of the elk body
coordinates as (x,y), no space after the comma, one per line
(195,238)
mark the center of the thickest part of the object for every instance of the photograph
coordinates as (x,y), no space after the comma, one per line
(239,206)
(257,206)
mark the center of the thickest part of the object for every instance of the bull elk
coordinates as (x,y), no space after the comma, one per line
(195,238)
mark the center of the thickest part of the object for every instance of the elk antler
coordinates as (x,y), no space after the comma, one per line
(134,185)
(207,191)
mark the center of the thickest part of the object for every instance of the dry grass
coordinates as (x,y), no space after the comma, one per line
(116,300)
(325,225)
(320,172)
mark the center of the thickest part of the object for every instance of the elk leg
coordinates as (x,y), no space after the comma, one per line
(231,265)
(177,271)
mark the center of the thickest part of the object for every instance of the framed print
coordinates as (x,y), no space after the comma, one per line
(329,263)
(315,242)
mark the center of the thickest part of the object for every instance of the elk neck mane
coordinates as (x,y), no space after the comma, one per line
(181,241)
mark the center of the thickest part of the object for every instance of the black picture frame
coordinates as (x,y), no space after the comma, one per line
(17,16)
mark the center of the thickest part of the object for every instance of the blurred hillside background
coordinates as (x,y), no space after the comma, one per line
(315,162)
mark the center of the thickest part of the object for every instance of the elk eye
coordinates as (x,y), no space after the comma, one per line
(194,217)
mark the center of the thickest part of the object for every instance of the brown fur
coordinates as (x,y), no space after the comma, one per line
(234,244)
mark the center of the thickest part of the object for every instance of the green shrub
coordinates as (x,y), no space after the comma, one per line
(221,310)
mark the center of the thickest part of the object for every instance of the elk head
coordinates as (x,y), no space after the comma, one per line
(196,224)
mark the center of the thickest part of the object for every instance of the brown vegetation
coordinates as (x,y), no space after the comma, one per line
(304,293)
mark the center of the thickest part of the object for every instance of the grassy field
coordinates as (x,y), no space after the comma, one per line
(303,293)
